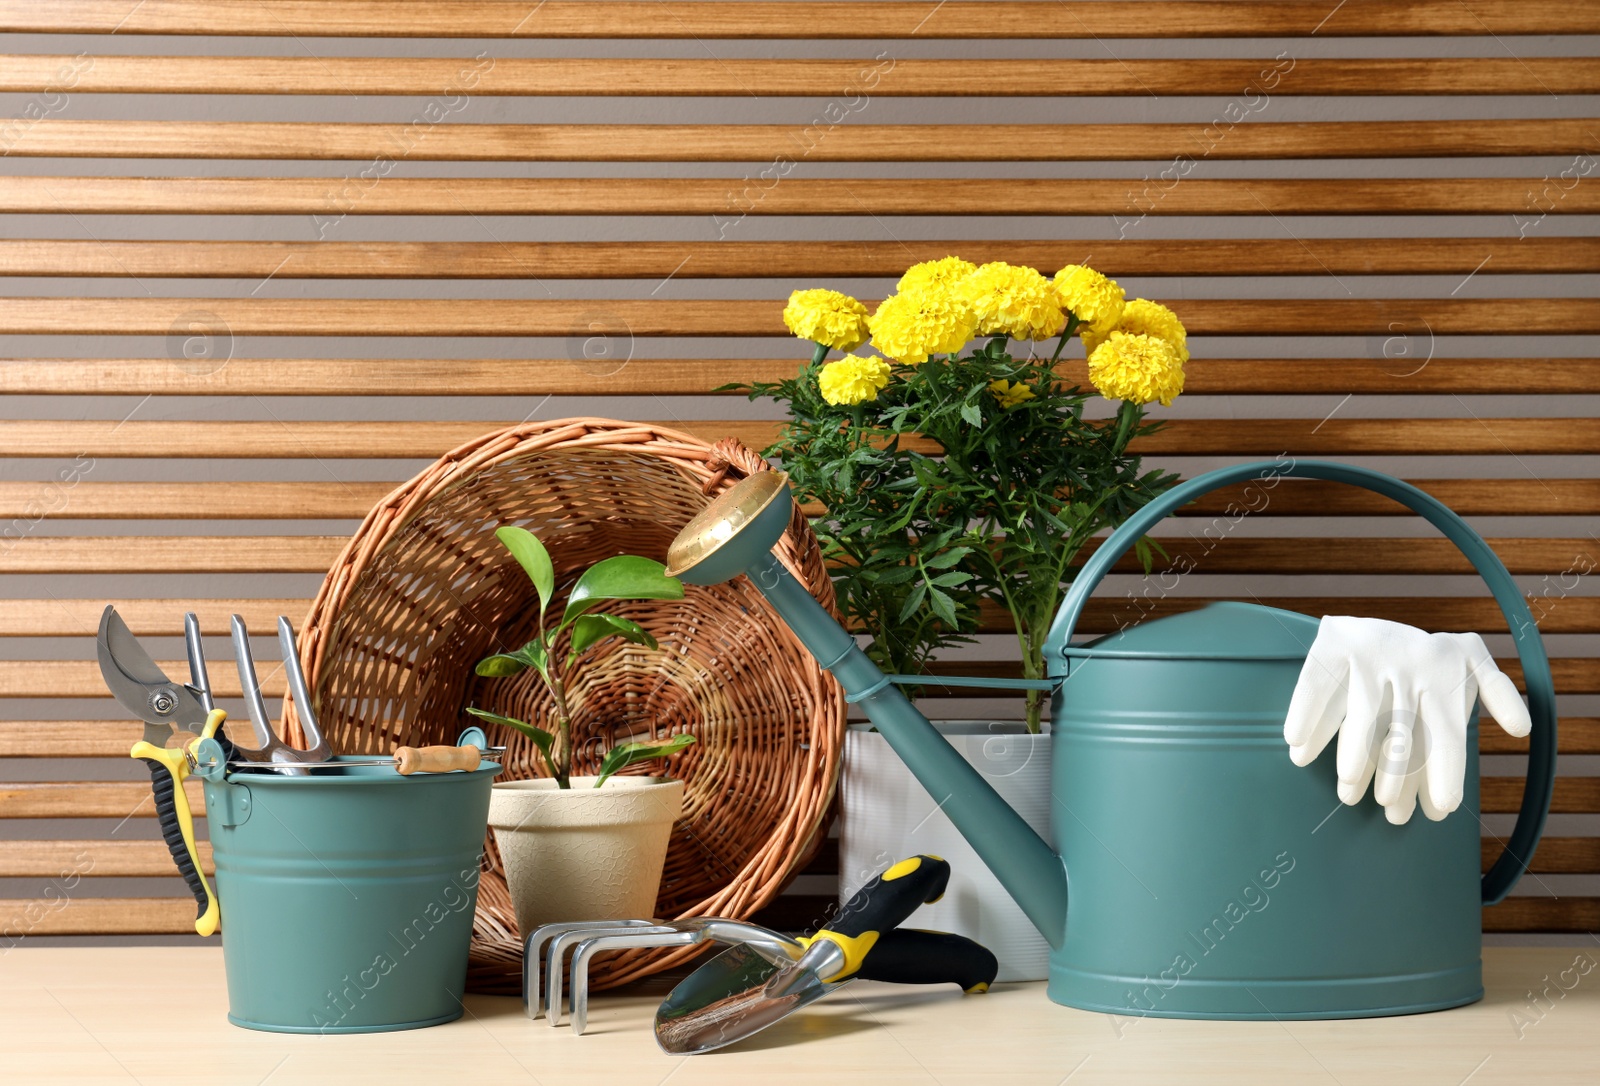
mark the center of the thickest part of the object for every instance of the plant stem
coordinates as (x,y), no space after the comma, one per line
(561,749)
(1127,415)
(1061,341)
(1033,668)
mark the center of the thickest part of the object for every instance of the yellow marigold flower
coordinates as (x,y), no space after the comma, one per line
(827,317)
(936,275)
(1010,393)
(853,379)
(910,327)
(1013,301)
(1147,318)
(1138,368)
(1095,300)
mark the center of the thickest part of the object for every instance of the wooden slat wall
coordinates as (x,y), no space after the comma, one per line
(259,262)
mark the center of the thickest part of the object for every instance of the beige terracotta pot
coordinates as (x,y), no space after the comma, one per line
(584,853)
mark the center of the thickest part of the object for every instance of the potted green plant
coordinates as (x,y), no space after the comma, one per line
(581,847)
(960,473)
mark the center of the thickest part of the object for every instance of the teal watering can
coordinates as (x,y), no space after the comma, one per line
(1209,876)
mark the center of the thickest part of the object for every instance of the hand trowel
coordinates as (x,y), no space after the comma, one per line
(743,991)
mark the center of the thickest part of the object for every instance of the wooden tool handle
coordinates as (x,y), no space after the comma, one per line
(411,760)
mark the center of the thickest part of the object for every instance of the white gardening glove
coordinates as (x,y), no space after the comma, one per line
(1399,698)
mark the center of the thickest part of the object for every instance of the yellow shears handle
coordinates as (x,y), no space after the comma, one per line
(177,764)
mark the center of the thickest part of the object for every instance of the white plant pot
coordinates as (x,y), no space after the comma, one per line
(583,853)
(886,815)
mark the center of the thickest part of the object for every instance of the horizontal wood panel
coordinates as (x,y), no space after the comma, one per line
(1469,497)
(112,738)
(1573,914)
(821,77)
(1533,376)
(823,20)
(1210,552)
(62,617)
(731,199)
(67,617)
(1572,674)
(1554,856)
(1346,436)
(697,376)
(1573,795)
(67,738)
(777,259)
(104,916)
(172,554)
(240,500)
(821,142)
(1576,735)
(428,440)
(95,859)
(88,799)
(82,679)
(1417,317)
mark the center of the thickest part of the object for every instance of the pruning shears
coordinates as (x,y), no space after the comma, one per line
(178,717)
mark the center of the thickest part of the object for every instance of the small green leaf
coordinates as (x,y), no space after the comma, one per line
(943,606)
(589,629)
(951,579)
(948,558)
(628,753)
(913,601)
(502,664)
(541,738)
(971,413)
(533,558)
(625,577)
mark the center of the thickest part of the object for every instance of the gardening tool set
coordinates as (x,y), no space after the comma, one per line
(765,976)
(1222,863)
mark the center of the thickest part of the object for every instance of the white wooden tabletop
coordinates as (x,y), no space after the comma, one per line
(157,1015)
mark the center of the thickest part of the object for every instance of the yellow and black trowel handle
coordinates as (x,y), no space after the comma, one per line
(168,770)
(914,956)
(879,906)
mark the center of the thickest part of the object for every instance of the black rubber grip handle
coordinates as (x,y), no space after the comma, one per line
(889,898)
(913,956)
(161,786)
(229,751)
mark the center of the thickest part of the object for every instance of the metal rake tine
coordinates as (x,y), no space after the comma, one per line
(588,948)
(246,664)
(533,954)
(199,681)
(568,939)
(315,744)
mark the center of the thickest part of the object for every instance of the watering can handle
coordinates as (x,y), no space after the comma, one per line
(1501,877)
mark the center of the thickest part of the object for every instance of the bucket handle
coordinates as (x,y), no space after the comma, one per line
(1513,861)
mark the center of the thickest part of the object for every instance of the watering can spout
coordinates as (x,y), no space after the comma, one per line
(734,535)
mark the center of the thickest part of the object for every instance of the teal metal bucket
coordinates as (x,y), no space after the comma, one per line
(347,898)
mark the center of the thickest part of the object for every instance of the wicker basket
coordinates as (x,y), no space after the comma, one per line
(424,590)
